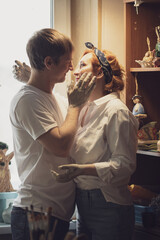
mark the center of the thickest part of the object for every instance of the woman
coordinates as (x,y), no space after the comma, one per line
(103,153)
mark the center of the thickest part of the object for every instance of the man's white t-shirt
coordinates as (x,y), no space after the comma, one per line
(33,113)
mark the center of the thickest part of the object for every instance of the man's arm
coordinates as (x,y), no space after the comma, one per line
(59,139)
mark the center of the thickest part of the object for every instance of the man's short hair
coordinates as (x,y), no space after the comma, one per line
(47,42)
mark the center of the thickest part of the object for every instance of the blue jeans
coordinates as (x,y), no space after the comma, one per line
(102,220)
(20,227)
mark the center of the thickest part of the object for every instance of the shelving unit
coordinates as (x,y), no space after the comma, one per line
(137,28)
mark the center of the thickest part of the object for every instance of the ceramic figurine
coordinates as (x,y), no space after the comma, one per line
(137,4)
(147,60)
(5,160)
(138,109)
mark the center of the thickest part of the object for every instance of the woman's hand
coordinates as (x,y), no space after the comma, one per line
(21,71)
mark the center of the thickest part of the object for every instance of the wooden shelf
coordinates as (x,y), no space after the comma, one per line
(156,69)
(149,153)
(143,1)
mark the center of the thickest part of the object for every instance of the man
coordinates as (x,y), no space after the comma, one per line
(42,138)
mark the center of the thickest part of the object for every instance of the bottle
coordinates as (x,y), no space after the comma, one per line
(6,214)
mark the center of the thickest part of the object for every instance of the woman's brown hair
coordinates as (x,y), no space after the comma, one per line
(117,83)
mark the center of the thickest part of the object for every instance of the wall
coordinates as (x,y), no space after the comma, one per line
(84,24)
(98,21)
(113,27)
(62,23)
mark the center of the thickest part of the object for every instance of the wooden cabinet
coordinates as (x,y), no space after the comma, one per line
(148,169)
(137,28)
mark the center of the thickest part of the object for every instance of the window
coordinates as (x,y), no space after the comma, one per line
(19,20)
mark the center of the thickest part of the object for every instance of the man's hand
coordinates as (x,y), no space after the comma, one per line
(21,71)
(79,93)
(70,171)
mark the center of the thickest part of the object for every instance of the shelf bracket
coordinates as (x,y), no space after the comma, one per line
(137,3)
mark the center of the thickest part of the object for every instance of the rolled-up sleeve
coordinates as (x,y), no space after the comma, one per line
(121,136)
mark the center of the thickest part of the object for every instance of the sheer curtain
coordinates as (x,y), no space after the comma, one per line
(19,19)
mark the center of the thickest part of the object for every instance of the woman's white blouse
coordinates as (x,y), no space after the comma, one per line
(108,139)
